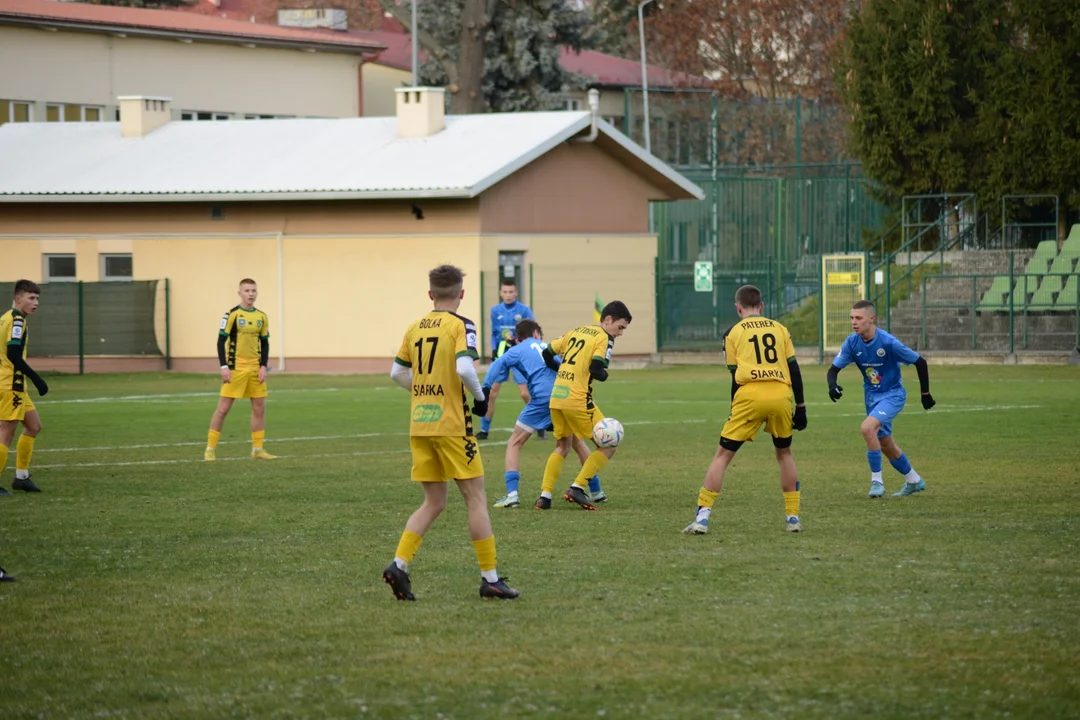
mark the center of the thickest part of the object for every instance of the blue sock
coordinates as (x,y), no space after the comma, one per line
(485,425)
(594,484)
(512,479)
(874,458)
(901,464)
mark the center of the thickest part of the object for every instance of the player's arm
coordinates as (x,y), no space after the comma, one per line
(841,361)
(554,348)
(15,356)
(495,334)
(223,338)
(924,383)
(401,370)
(466,352)
(499,372)
(731,353)
(799,420)
(264,343)
(598,366)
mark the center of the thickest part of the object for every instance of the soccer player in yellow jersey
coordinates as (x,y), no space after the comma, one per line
(435,364)
(15,403)
(243,350)
(586,352)
(765,385)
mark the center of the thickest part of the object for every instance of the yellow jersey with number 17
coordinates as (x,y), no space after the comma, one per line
(578,348)
(431,348)
(758,350)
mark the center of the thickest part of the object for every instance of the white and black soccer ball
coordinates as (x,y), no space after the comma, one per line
(608,433)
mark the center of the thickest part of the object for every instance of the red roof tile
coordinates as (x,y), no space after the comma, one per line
(44,12)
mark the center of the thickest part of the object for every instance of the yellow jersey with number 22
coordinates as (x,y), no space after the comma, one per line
(578,348)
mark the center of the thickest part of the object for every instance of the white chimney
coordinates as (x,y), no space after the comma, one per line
(142,114)
(420,111)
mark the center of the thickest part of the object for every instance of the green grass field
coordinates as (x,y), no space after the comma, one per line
(153,585)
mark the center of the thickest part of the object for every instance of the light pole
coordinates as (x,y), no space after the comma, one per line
(644,72)
(415,48)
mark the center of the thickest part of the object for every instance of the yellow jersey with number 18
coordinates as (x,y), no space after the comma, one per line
(758,350)
(431,348)
(578,348)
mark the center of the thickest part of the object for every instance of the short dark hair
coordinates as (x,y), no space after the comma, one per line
(616,310)
(508,282)
(525,329)
(248,281)
(26,286)
(748,296)
(445,282)
(865,304)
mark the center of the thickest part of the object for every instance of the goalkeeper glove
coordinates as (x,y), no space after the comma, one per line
(39,383)
(835,392)
(799,421)
(927,401)
(480,405)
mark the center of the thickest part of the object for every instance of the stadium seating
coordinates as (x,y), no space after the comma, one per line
(1048,283)
(1067,298)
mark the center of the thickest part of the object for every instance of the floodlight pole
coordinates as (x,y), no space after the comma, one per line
(415,48)
(644,73)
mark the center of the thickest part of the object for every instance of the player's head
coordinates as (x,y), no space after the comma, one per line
(615,317)
(445,285)
(508,291)
(528,329)
(26,296)
(248,292)
(748,301)
(862,316)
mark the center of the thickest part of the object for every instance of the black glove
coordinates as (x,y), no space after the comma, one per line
(480,405)
(927,401)
(836,392)
(40,384)
(799,421)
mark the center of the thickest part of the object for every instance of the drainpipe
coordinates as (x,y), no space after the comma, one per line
(281,301)
(594,108)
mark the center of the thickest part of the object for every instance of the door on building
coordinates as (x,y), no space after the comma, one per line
(512,266)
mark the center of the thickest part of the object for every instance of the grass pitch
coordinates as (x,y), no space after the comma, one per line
(152,584)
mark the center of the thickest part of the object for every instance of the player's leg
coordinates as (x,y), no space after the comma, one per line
(485,422)
(582,423)
(553,467)
(427,470)
(518,438)
(742,424)
(596,494)
(7,433)
(483,540)
(778,403)
(899,460)
(24,452)
(869,429)
(230,391)
(257,392)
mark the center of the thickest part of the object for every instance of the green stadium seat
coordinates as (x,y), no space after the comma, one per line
(1073,240)
(1045,253)
(1065,262)
(1026,286)
(1067,298)
(996,298)
(1043,299)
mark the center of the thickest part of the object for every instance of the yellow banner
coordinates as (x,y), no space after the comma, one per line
(843,278)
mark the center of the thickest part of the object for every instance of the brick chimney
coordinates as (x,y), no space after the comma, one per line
(420,111)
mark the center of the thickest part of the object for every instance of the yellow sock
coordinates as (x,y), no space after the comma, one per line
(24,451)
(257,439)
(212,439)
(409,544)
(791,503)
(706,498)
(592,466)
(485,553)
(3,457)
(551,472)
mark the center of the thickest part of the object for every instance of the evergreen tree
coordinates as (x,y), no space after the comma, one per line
(499,55)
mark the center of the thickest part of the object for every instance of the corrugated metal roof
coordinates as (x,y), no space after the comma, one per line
(285,159)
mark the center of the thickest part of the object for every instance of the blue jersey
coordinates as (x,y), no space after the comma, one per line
(503,319)
(527,358)
(878,360)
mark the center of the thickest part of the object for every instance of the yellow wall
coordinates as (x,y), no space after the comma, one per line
(379,84)
(568,272)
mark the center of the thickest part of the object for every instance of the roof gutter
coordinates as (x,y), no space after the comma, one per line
(450,193)
(204,36)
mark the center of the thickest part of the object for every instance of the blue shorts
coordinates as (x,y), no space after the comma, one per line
(536,416)
(884,408)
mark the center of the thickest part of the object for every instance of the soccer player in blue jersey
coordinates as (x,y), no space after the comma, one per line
(878,355)
(504,317)
(527,358)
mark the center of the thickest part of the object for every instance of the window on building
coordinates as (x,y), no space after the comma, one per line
(117,266)
(92,113)
(54,113)
(197,115)
(16,111)
(573,104)
(59,268)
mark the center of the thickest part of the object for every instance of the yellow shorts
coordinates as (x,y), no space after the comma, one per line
(771,403)
(15,405)
(245,384)
(578,423)
(440,459)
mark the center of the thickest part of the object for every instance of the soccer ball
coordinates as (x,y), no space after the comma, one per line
(608,433)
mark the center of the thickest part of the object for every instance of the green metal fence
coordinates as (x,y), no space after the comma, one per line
(85,319)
